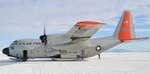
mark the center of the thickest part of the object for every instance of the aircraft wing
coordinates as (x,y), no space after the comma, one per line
(83,30)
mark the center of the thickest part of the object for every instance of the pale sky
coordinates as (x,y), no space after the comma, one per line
(21,19)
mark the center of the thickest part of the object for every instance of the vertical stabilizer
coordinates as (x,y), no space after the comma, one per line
(125,29)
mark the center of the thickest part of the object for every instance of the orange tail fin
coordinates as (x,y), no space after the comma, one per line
(125,30)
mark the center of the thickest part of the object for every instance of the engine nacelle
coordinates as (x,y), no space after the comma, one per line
(43,38)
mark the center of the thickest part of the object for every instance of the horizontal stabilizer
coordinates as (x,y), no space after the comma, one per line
(135,39)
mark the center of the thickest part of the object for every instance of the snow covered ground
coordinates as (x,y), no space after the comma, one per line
(110,63)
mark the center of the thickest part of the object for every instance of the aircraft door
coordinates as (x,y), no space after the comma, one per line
(25,55)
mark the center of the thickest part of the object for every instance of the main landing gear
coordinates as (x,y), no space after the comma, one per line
(99,56)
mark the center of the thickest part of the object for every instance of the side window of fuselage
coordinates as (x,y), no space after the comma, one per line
(30,43)
(34,43)
(20,43)
(27,43)
(23,43)
(38,43)
(12,47)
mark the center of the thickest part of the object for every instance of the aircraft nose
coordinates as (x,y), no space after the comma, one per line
(6,51)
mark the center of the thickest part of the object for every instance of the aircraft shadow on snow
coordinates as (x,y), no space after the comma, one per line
(7,62)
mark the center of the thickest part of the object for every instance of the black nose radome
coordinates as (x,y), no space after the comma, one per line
(6,51)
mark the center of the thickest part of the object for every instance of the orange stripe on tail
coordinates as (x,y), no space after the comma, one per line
(124,32)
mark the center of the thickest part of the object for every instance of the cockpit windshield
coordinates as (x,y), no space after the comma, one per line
(14,43)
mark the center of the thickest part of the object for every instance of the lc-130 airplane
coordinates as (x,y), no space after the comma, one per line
(75,44)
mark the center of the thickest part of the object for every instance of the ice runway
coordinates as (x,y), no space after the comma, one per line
(110,63)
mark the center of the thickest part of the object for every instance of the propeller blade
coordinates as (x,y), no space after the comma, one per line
(44,30)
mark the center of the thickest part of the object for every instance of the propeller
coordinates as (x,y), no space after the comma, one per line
(43,38)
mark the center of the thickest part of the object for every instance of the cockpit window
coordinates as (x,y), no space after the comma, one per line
(12,48)
(14,43)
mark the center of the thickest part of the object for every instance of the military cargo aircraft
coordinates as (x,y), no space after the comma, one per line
(76,43)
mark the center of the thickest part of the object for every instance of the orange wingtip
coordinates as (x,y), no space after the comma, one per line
(88,24)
